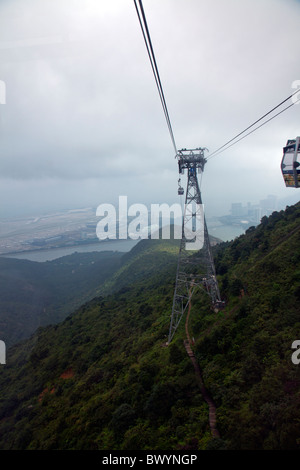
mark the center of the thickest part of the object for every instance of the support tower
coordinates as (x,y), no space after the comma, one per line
(195,268)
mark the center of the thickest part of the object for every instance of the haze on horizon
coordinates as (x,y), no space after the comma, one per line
(82,121)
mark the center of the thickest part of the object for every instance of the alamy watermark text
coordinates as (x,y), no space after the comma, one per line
(2,353)
(115,224)
(296,96)
(2,92)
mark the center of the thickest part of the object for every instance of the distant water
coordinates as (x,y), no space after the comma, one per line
(225,232)
(49,255)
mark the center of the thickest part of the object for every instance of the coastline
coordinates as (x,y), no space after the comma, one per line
(49,254)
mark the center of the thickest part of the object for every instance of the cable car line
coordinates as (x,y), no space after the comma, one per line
(218,151)
(253,130)
(146,35)
(149,47)
(198,271)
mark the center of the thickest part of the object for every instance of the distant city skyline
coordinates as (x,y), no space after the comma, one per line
(255,211)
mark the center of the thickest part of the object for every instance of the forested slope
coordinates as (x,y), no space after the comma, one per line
(36,294)
(104,378)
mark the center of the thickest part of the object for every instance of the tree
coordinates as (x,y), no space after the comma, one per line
(122,419)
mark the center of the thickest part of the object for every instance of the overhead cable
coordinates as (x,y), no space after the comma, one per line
(145,30)
(215,154)
(219,150)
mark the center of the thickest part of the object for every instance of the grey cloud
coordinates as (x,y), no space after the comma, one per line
(82,104)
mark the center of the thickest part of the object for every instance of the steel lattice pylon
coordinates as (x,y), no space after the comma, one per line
(195,268)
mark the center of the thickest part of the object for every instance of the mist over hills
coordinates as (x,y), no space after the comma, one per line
(103,378)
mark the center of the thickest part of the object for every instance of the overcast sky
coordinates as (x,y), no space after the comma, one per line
(82,121)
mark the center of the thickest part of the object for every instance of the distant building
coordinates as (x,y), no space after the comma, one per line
(254,212)
(251,213)
(268,205)
(237,210)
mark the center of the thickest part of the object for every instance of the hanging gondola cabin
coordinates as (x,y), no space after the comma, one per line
(180,188)
(290,163)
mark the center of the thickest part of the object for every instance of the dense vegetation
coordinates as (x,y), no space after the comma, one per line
(35,294)
(104,378)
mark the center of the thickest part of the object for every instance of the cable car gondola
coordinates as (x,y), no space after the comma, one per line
(180,189)
(290,163)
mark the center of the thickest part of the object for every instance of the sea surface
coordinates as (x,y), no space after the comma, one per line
(224,232)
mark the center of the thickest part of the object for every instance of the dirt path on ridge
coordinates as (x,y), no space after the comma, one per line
(211,406)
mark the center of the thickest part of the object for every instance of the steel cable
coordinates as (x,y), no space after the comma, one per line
(150,51)
(219,150)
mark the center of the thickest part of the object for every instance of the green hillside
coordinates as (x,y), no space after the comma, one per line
(142,262)
(104,378)
(35,294)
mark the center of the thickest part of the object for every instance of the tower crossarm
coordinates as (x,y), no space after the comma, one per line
(191,158)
